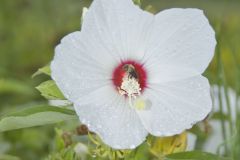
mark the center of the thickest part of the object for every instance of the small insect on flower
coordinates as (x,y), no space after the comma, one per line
(130,73)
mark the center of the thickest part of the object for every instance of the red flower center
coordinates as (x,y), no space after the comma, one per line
(130,68)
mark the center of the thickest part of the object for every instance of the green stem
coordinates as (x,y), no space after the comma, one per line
(234,53)
(235,145)
(229,110)
(219,74)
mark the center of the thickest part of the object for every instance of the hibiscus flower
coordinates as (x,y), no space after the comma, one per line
(130,73)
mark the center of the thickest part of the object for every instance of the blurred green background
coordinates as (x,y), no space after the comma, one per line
(30,29)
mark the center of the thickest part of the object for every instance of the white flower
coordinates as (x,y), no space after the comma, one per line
(130,73)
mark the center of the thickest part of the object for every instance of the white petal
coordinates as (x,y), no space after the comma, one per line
(180,38)
(109,115)
(119,26)
(176,106)
(75,71)
(161,73)
(84,62)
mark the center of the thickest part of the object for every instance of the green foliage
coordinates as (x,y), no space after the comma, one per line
(14,87)
(44,70)
(65,154)
(8,157)
(59,141)
(35,116)
(49,90)
(236,139)
(161,146)
(64,147)
(142,152)
(103,151)
(137,2)
(194,155)
(219,116)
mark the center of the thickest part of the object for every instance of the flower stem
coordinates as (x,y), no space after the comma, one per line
(219,81)
(229,111)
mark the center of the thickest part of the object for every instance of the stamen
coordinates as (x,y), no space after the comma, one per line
(131,88)
(130,80)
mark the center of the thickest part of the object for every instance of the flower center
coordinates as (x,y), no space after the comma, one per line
(129,78)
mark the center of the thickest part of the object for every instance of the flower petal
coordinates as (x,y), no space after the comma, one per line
(84,62)
(119,26)
(75,71)
(109,115)
(180,38)
(176,106)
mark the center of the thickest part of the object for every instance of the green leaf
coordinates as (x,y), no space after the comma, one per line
(49,90)
(59,142)
(14,87)
(199,132)
(44,70)
(69,154)
(35,116)
(8,157)
(142,153)
(194,155)
(137,2)
(219,116)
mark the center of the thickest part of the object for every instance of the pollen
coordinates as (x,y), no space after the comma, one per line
(139,104)
(130,87)
(142,104)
